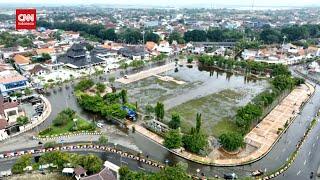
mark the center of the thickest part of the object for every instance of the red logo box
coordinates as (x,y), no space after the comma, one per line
(26,19)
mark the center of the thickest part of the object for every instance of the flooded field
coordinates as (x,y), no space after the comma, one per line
(216,95)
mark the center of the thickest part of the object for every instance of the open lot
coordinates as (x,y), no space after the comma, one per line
(216,97)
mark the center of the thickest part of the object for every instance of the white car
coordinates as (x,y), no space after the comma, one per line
(99,125)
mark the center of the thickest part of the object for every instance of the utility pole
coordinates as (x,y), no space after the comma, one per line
(284,39)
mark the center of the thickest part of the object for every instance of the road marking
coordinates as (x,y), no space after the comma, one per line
(142,168)
(317,137)
(309,153)
(313,144)
(298,173)
(305,161)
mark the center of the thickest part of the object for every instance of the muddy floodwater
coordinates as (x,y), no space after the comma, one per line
(215,94)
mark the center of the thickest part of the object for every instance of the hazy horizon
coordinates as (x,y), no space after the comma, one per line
(172,3)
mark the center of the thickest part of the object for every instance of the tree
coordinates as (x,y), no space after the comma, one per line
(27,91)
(198,122)
(283,82)
(176,36)
(149,109)
(195,36)
(190,59)
(124,96)
(22,120)
(159,111)
(131,36)
(150,36)
(89,47)
(103,140)
(110,34)
(231,141)
(100,87)
(45,56)
(215,35)
(57,158)
(84,84)
(92,163)
(173,139)
(175,122)
(270,36)
(21,163)
(177,172)
(195,141)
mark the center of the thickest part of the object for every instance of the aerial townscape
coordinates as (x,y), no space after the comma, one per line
(159,90)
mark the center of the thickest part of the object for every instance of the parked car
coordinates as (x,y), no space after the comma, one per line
(256,173)
(99,125)
(230,176)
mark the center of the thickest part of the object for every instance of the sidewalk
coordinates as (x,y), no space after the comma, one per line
(264,136)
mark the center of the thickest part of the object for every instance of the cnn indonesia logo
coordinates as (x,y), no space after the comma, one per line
(26,19)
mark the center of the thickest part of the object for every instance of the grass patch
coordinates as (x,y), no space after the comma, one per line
(215,109)
(83,125)
(64,123)
(224,126)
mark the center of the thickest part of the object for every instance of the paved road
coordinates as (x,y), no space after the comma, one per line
(6,164)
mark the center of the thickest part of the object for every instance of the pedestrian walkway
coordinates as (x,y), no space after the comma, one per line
(145,74)
(263,136)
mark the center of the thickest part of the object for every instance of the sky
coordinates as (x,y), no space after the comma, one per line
(175,3)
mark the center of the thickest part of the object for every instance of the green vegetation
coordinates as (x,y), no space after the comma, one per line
(90,162)
(108,106)
(67,121)
(13,40)
(249,67)
(175,122)
(217,109)
(177,172)
(225,125)
(103,140)
(160,57)
(173,139)
(150,36)
(22,120)
(176,36)
(50,144)
(196,141)
(231,141)
(45,56)
(159,111)
(84,85)
(27,91)
(21,163)
(100,87)
(137,63)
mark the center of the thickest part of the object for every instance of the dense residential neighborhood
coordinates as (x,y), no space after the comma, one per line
(101,91)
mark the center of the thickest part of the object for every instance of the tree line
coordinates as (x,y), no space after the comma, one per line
(267,34)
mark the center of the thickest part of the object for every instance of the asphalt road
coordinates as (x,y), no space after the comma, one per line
(6,164)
